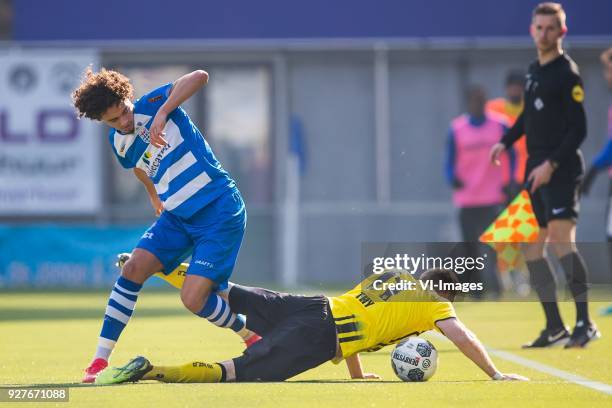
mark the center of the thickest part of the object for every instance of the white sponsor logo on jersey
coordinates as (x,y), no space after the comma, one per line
(538,104)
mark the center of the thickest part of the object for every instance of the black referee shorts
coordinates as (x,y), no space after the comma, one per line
(560,198)
(298,333)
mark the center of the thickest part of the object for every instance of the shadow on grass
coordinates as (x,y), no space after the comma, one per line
(80,313)
(145,383)
(67,385)
(347,381)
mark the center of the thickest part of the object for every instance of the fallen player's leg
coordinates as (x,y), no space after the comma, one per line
(140,368)
(299,334)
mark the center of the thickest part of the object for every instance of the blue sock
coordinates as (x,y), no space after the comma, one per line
(118,312)
(218,312)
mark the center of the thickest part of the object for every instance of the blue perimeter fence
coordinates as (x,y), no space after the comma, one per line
(64,256)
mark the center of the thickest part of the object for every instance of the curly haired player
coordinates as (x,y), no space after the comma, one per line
(199,206)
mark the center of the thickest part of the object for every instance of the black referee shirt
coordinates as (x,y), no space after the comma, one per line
(553,118)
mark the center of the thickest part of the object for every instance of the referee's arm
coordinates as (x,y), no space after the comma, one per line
(507,140)
(573,110)
(514,133)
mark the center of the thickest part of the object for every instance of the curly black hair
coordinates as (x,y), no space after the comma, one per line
(99,91)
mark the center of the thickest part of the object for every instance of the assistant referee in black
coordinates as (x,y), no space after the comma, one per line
(554,123)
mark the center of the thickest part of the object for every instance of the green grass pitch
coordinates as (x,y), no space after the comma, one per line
(48,338)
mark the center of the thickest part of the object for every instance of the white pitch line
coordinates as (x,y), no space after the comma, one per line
(576,379)
(573,378)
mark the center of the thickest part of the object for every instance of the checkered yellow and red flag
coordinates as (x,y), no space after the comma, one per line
(516,224)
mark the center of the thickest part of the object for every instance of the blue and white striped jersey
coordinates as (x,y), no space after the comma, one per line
(186,173)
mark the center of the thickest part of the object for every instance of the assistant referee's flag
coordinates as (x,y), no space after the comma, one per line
(515,225)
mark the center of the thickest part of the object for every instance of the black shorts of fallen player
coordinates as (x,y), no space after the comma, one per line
(298,333)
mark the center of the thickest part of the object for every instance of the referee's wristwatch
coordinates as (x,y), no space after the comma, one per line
(554,164)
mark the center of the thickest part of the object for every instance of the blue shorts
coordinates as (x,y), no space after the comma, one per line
(212,236)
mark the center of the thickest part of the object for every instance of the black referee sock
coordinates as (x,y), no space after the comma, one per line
(545,285)
(576,275)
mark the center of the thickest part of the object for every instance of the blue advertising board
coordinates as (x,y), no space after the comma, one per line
(63,256)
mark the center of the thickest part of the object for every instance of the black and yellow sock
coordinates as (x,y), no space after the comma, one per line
(194,372)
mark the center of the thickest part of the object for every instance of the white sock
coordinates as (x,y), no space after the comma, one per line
(105,348)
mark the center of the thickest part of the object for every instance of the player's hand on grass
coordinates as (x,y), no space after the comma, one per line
(496,151)
(540,175)
(157,129)
(371,376)
(513,377)
(368,376)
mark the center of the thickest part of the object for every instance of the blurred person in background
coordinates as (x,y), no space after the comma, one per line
(603,161)
(478,187)
(554,123)
(510,107)
(6,19)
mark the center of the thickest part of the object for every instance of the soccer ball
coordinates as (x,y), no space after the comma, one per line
(414,359)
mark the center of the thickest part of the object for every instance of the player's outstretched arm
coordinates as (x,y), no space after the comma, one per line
(182,89)
(473,349)
(353,363)
(158,206)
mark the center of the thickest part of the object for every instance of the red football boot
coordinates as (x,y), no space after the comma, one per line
(94,368)
(252,340)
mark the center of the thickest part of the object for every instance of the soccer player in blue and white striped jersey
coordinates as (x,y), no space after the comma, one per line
(199,206)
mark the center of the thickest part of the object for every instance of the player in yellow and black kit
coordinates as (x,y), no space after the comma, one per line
(302,332)
(374,314)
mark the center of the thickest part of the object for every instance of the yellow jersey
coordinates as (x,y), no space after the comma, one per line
(384,309)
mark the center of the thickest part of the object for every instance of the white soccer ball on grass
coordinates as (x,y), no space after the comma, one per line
(414,359)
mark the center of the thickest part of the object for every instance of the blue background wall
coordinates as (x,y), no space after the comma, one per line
(273,19)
